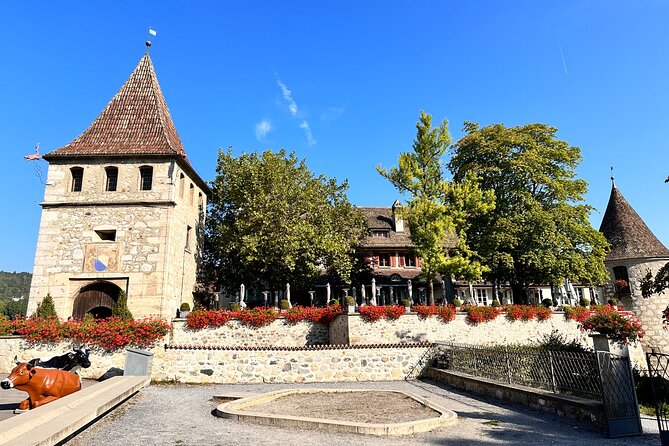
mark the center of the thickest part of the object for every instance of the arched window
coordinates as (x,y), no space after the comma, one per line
(145,177)
(77,178)
(112,178)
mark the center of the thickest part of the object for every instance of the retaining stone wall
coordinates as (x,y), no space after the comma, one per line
(235,334)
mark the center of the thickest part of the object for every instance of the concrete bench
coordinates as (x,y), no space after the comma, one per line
(53,422)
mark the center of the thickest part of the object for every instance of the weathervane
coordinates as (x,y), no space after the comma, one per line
(152,32)
(613,182)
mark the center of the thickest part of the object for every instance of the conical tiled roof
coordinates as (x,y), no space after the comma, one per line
(626,232)
(135,122)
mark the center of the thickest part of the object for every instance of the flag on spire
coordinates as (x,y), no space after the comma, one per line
(152,31)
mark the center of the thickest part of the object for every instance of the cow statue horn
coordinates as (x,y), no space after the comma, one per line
(16,359)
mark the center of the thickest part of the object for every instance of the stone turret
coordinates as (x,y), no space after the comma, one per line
(122,209)
(635,251)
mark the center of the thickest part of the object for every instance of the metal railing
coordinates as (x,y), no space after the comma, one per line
(567,373)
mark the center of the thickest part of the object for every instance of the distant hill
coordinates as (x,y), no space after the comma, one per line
(14,285)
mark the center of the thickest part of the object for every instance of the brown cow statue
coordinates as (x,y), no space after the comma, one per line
(42,385)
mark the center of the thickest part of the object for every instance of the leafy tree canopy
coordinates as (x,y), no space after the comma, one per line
(438,209)
(272,221)
(539,230)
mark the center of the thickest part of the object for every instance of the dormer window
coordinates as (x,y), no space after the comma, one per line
(112,178)
(77,178)
(145,177)
(380,233)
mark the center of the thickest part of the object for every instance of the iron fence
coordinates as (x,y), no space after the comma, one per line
(568,373)
(658,369)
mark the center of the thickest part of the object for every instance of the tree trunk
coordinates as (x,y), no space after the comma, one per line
(519,294)
(430,292)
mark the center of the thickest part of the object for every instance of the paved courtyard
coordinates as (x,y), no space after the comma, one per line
(167,414)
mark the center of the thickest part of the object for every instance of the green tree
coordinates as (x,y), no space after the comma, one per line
(272,221)
(437,210)
(539,231)
(16,307)
(121,309)
(46,308)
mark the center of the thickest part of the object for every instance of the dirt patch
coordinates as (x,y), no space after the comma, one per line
(363,407)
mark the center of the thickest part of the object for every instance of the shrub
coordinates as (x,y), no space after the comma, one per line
(121,310)
(619,328)
(6,326)
(425,311)
(476,314)
(496,303)
(184,307)
(393,312)
(557,341)
(665,317)
(235,307)
(457,302)
(547,303)
(447,313)
(199,319)
(406,303)
(256,317)
(350,301)
(109,334)
(284,304)
(544,313)
(584,302)
(613,301)
(578,314)
(46,308)
(333,302)
(521,312)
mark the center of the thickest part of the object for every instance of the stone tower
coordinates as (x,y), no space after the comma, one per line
(123,210)
(634,251)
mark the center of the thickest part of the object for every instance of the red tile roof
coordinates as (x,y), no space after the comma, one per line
(135,122)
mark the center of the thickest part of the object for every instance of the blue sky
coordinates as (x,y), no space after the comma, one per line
(342,83)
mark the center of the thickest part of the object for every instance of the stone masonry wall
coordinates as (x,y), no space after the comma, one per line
(649,310)
(150,257)
(234,334)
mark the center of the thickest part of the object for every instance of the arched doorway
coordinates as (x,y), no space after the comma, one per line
(97,299)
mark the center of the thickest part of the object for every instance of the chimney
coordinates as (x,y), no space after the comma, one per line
(398,220)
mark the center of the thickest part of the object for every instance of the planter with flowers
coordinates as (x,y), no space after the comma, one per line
(613,331)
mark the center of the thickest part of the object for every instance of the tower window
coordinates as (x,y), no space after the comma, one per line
(200,201)
(77,178)
(145,178)
(191,193)
(106,234)
(181,185)
(112,179)
(189,236)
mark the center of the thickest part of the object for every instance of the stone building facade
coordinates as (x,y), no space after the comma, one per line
(123,210)
(635,251)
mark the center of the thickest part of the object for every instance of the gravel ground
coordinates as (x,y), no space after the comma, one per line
(182,415)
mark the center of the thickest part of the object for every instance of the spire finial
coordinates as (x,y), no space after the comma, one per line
(613,182)
(152,32)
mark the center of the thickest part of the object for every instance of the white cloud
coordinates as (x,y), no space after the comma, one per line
(304,125)
(288,97)
(263,128)
(332,113)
